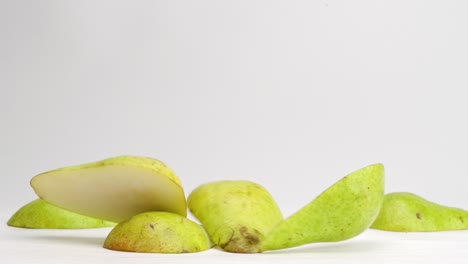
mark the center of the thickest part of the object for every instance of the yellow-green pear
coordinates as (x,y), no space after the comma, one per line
(341,212)
(408,212)
(158,232)
(113,189)
(236,214)
(41,214)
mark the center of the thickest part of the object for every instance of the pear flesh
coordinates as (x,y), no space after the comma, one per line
(41,214)
(343,211)
(113,189)
(236,214)
(158,232)
(408,212)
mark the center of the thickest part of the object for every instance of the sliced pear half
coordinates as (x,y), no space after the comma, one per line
(341,212)
(113,189)
(237,214)
(158,232)
(408,212)
(43,215)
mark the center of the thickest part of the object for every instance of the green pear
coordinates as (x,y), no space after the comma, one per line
(41,214)
(158,232)
(236,214)
(113,189)
(343,211)
(407,212)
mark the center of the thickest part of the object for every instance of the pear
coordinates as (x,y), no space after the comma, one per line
(236,214)
(158,232)
(41,214)
(408,212)
(343,211)
(113,189)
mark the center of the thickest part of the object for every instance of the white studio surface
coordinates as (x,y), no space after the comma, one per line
(85,246)
(290,94)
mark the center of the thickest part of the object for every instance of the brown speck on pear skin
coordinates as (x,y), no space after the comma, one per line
(251,239)
(418,215)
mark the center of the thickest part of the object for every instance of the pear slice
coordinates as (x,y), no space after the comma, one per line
(41,214)
(158,232)
(341,212)
(408,212)
(236,214)
(113,189)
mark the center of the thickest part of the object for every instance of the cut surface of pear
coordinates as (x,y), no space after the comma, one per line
(344,210)
(113,189)
(158,232)
(408,212)
(41,214)
(236,214)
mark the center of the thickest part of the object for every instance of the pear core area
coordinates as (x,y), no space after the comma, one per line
(113,192)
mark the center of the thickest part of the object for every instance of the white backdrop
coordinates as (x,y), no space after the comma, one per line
(290,94)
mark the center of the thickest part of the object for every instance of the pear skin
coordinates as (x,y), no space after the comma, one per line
(408,212)
(113,189)
(236,214)
(158,232)
(344,210)
(41,214)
